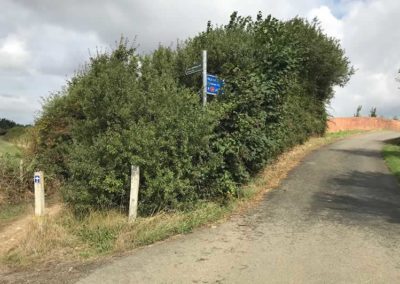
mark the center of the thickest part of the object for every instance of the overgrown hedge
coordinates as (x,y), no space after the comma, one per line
(124,109)
(16,179)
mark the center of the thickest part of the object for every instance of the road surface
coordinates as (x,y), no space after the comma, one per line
(335,219)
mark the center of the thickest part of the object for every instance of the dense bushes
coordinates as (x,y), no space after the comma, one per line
(15,182)
(125,109)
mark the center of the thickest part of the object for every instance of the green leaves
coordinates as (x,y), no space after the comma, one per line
(125,109)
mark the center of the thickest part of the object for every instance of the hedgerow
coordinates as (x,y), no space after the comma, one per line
(123,109)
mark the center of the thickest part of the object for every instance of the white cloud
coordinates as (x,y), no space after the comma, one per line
(59,51)
(372,44)
(17,108)
(13,53)
(332,26)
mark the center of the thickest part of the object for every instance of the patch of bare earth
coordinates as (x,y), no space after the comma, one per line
(14,233)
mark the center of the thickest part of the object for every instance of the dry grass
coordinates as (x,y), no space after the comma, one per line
(65,238)
(7,147)
(46,240)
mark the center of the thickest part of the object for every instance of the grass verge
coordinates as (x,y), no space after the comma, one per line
(391,153)
(6,147)
(66,238)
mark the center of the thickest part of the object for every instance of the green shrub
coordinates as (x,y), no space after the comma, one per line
(125,109)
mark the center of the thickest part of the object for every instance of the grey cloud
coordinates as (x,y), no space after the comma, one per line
(371,37)
(155,21)
(7,96)
(60,34)
(372,44)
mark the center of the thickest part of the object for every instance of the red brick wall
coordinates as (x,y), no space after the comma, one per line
(361,123)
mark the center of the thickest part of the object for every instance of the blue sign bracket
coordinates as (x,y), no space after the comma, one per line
(214,85)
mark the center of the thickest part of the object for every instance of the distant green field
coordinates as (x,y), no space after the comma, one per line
(343,134)
(6,147)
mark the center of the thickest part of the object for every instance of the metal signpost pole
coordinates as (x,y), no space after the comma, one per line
(204,78)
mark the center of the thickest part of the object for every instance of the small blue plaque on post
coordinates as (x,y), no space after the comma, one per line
(36,179)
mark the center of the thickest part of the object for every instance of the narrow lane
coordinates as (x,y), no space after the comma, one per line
(335,219)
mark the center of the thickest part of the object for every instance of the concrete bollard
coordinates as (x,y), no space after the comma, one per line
(38,180)
(133,200)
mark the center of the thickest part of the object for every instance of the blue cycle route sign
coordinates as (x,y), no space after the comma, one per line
(214,85)
(36,179)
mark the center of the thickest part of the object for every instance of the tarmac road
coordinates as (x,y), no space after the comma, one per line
(335,219)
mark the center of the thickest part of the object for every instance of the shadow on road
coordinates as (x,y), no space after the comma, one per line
(361,194)
(360,152)
(394,141)
(370,153)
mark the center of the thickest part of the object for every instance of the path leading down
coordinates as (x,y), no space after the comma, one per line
(13,233)
(335,219)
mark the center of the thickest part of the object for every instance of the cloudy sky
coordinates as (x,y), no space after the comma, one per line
(42,42)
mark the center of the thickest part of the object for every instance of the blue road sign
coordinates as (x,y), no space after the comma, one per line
(36,179)
(214,85)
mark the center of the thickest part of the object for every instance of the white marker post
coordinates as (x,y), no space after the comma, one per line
(133,200)
(38,180)
(204,77)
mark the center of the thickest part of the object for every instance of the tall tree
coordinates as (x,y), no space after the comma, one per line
(372,112)
(6,124)
(358,112)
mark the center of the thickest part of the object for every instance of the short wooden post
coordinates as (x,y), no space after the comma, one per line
(133,200)
(38,180)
